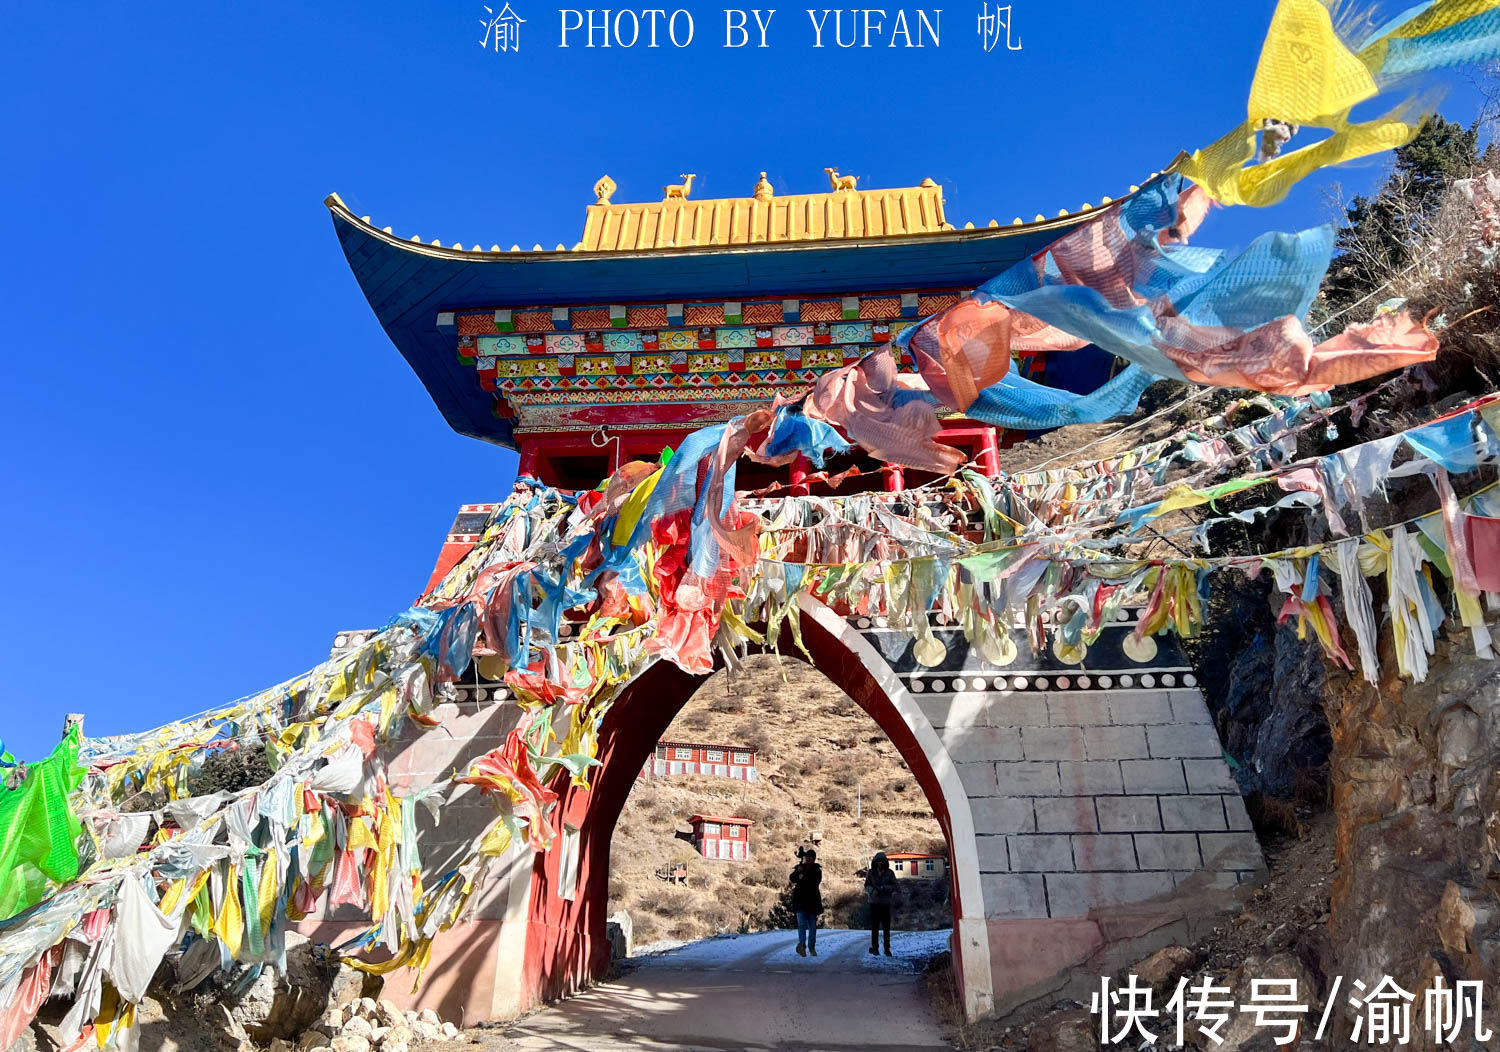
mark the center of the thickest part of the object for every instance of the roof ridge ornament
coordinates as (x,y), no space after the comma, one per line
(603,189)
(763,189)
(679,191)
(842,183)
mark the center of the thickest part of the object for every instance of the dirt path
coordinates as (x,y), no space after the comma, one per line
(750,992)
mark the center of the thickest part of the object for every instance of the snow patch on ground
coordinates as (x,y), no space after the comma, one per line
(910,951)
(839,949)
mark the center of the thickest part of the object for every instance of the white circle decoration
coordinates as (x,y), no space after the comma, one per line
(999,650)
(1068,653)
(929,651)
(1139,650)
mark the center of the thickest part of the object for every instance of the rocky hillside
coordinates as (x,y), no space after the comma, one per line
(825,767)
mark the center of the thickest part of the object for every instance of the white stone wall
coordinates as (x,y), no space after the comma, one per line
(1093,800)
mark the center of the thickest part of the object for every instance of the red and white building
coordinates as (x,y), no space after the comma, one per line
(722,761)
(722,838)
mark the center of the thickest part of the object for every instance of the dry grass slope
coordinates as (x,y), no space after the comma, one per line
(817,749)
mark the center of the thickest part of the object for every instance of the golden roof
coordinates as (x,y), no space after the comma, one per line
(679,222)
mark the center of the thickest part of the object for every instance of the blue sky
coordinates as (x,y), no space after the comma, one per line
(215,459)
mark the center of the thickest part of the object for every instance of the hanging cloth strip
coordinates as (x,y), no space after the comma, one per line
(1358,608)
(1123,282)
(1310,74)
(39,829)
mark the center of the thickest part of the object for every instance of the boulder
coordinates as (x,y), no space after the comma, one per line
(349,985)
(347,1043)
(620,930)
(1163,968)
(1241,1033)
(286,1005)
(359,1026)
(1063,1032)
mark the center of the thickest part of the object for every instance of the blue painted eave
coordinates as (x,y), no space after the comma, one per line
(408,284)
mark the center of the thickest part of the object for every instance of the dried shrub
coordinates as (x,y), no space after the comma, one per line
(675,900)
(230,770)
(696,720)
(845,771)
(729,703)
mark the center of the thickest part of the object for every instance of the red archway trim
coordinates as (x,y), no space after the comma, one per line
(566,947)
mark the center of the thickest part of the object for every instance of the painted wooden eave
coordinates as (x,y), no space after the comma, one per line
(408,283)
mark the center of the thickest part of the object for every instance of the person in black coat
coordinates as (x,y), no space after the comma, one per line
(880,893)
(807,900)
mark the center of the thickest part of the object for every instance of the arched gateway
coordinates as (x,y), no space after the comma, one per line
(566,946)
(1089,814)
(1088,809)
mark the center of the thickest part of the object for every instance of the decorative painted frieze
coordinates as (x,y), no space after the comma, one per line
(872,307)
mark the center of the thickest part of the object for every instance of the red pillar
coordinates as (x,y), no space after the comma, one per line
(989,453)
(799,473)
(527,466)
(895,479)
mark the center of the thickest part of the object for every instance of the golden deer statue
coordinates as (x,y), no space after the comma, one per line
(679,190)
(842,182)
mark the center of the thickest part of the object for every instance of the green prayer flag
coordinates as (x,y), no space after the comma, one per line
(38,829)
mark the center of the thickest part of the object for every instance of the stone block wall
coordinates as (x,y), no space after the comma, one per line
(1105,817)
(1093,800)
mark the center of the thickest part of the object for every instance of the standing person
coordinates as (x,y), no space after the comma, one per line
(807,900)
(880,892)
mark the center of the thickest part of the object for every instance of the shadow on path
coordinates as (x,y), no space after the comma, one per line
(753,992)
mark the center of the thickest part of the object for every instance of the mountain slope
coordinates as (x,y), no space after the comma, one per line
(824,767)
